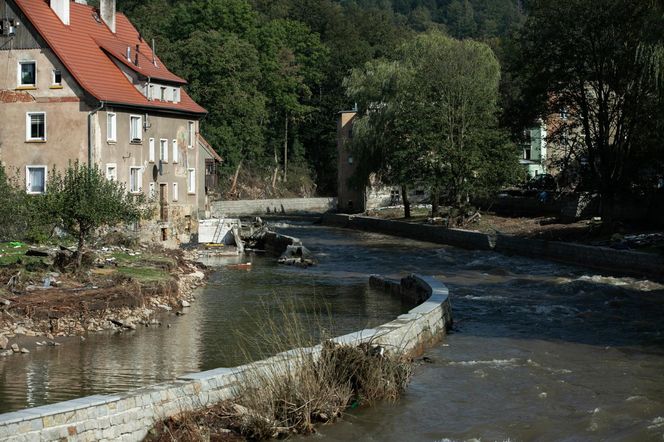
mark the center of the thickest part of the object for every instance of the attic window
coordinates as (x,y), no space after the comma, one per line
(96,17)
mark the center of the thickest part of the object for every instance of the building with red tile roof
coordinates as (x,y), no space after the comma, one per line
(79,83)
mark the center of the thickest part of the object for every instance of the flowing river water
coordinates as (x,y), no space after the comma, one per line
(539,351)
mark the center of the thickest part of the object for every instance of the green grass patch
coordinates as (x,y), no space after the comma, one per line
(144,274)
(12,252)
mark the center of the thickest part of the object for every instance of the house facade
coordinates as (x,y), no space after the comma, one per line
(79,83)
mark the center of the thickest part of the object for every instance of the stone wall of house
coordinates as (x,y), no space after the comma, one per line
(129,416)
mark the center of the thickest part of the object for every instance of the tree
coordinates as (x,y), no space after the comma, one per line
(382,141)
(82,200)
(430,118)
(591,71)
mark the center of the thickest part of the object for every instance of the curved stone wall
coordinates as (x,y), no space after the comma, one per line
(129,416)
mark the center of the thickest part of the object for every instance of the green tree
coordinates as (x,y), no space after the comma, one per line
(83,200)
(591,70)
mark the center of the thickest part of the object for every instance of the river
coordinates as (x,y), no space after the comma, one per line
(538,351)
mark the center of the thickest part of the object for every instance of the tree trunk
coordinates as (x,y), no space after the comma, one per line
(406,202)
(434,202)
(237,173)
(286,151)
(79,251)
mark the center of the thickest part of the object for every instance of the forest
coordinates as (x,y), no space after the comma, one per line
(270,72)
(274,74)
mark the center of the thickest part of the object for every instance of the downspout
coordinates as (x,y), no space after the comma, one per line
(90,115)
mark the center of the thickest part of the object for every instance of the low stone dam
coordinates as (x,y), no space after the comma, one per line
(538,350)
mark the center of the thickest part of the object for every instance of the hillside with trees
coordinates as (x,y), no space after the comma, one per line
(270,72)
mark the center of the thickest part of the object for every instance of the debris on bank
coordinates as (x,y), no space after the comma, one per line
(42,301)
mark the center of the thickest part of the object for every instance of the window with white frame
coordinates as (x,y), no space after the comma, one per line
(111,127)
(35,179)
(176,152)
(135,132)
(191,134)
(112,172)
(176,192)
(135,179)
(35,126)
(191,180)
(151,151)
(57,77)
(27,73)
(163,150)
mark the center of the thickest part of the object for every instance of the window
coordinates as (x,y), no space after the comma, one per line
(111,127)
(151,151)
(176,193)
(135,133)
(35,179)
(35,129)
(163,150)
(176,95)
(162,93)
(135,179)
(57,77)
(176,153)
(151,92)
(112,172)
(191,180)
(27,73)
(190,135)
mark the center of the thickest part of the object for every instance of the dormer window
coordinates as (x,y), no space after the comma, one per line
(151,92)
(176,95)
(162,94)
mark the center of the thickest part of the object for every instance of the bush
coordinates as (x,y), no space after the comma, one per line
(21,215)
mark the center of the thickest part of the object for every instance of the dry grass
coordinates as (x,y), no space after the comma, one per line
(304,385)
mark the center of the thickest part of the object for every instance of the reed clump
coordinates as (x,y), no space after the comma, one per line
(305,384)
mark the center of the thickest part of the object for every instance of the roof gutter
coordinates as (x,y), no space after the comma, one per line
(157,109)
(90,142)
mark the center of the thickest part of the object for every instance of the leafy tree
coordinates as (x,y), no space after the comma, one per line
(82,200)
(593,73)
(430,118)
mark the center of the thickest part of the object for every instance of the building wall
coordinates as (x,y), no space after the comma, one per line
(125,154)
(350,199)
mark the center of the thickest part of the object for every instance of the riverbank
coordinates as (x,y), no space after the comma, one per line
(125,288)
(620,262)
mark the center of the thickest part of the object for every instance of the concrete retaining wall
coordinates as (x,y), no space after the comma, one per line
(221,209)
(421,232)
(601,258)
(129,416)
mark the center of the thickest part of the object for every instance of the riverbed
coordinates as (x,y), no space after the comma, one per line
(538,350)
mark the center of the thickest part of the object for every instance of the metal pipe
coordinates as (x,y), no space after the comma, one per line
(90,115)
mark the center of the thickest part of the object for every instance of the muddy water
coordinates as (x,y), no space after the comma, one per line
(539,351)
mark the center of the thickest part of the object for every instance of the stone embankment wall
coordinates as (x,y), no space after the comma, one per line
(220,209)
(129,416)
(600,258)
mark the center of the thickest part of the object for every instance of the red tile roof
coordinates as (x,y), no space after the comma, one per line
(87,48)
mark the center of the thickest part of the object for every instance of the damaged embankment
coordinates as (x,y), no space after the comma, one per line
(130,416)
(124,288)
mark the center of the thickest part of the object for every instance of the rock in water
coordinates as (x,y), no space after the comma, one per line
(4,342)
(15,348)
(185,304)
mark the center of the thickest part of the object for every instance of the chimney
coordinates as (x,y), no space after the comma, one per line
(61,9)
(107,12)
